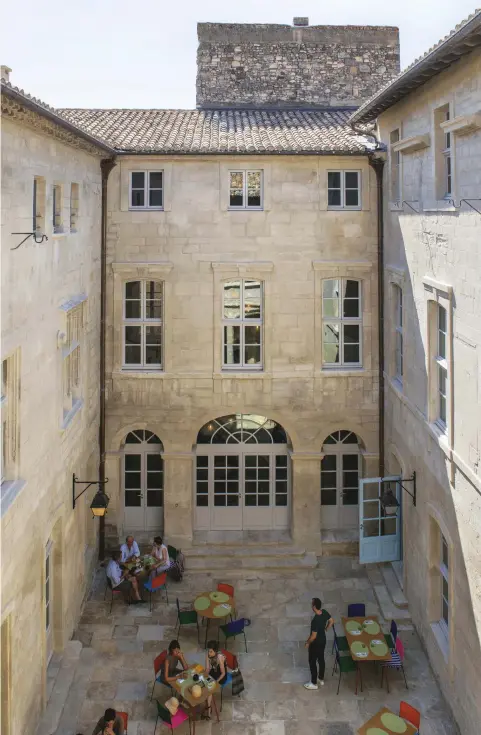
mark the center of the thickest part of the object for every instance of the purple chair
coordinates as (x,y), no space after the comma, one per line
(357,610)
(233,629)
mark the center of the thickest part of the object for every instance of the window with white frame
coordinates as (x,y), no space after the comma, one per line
(242,324)
(441,366)
(10,399)
(448,162)
(343,190)
(74,206)
(146,189)
(398,333)
(245,189)
(57,208)
(395,167)
(143,325)
(38,205)
(341,322)
(444,573)
(444,160)
(71,353)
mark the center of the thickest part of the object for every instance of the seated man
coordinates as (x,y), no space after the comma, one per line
(129,549)
(123,581)
(110,722)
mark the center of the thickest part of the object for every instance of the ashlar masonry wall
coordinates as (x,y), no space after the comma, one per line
(267,64)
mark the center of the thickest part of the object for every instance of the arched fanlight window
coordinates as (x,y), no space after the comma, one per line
(142,435)
(242,429)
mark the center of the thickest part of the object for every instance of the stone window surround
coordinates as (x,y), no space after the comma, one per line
(142,323)
(227,271)
(444,636)
(438,136)
(395,277)
(66,309)
(395,167)
(363,271)
(122,272)
(438,293)
(145,164)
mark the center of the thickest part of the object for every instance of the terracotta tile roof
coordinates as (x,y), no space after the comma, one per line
(241,131)
(462,40)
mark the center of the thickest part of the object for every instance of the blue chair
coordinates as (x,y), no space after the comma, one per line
(233,629)
(156,584)
(357,610)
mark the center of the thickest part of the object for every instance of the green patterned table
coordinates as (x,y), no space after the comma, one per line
(213,606)
(366,639)
(386,722)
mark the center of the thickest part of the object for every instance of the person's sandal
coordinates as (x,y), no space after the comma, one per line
(205,714)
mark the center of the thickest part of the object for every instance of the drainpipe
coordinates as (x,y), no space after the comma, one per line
(106,166)
(377,164)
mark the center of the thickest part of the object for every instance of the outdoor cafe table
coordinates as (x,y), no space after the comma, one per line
(386,722)
(213,606)
(183,687)
(365,639)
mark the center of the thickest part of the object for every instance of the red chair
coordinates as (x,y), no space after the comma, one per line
(157,584)
(411,714)
(158,671)
(229,590)
(125,719)
(231,663)
(114,592)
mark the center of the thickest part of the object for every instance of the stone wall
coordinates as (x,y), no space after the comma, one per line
(434,256)
(261,65)
(37,280)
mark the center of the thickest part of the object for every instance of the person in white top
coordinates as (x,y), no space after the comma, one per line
(130,549)
(122,580)
(161,555)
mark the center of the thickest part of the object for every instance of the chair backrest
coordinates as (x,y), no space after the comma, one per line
(178,605)
(172,552)
(125,719)
(400,648)
(336,649)
(227,588)
(164,713)
(159,661)
(187,616)
(159,581)
(411,714)
(230,659)
(357,610)
(393,630)
(237,626)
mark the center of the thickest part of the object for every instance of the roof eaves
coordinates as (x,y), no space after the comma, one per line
(439,57)
(48,112)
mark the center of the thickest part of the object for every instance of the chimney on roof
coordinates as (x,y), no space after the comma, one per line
(300,22)
(5,73)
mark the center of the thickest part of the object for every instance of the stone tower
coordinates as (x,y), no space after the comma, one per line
(264,65)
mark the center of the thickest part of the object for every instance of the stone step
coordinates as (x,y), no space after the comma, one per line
(392,584)
(211,562)
(340,542)
(240,552)
(398,569)
(388,609)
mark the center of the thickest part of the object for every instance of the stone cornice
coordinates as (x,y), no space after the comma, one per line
(14,110)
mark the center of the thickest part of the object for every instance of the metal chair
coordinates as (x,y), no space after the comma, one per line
(173,721)
(233,629)
(158,666)
(345,664)
(157,584)
(411,714)
(187,617)
(396,662)
(114,592)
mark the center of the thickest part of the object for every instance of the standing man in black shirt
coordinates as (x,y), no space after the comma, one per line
(316,643)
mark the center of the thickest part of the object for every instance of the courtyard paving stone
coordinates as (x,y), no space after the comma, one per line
(113,665)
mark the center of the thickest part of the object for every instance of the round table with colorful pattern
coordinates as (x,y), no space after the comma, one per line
(386,722)
(213,606)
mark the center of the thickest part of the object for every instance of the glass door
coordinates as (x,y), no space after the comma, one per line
(379,535)
(226,477)
(258,491)
(143,491)
(134,509)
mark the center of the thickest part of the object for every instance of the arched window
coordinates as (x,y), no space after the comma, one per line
(340,472)
(142,327)
(143,481)
(242,428)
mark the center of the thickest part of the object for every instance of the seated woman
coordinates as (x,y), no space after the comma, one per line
(161,556)
(215,667)
(171,666)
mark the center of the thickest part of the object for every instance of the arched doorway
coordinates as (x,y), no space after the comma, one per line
(143,481)
(242,474)
(340,473)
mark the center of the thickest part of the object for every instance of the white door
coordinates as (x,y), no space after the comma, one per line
(340,472)
(379,535)
(48,601)
(143,482)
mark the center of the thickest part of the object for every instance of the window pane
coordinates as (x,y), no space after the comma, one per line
(328,480)
(350,461)
(329,462)
(138,179)
(154,498)
(445,556)
(330,308)
(352,198)
(252,335)
(351,354)
(154,480)
(132,290)
(330,288)
(252,300)
(351,333)
(132,355)
(232,300)
(442,344)
(351,308)
(351,289)
(351,179)
(328,497)
(132,462)
(156,179)
(236,198)
(442,318)
(155,198)
(281,499)
(445,612)
(334,198)
(132,480)
(334,180)
(132,499)
(350,497)
(331,343)
(231,345)
(154,462)
(252,355)
(138,198)
(253,188)
(132,335)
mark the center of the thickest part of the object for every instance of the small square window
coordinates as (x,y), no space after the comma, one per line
(245,189)
(343,190)
(146,190)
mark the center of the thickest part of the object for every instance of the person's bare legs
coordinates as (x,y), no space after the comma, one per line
(135,587)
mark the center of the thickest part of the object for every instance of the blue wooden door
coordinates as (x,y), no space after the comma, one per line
(379,535)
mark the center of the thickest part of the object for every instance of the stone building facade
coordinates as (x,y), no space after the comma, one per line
(50,391)
(267,65)
(433,349)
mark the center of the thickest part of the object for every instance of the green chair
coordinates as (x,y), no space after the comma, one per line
(345,664)
(342,644)
(173,552)
(187,617)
